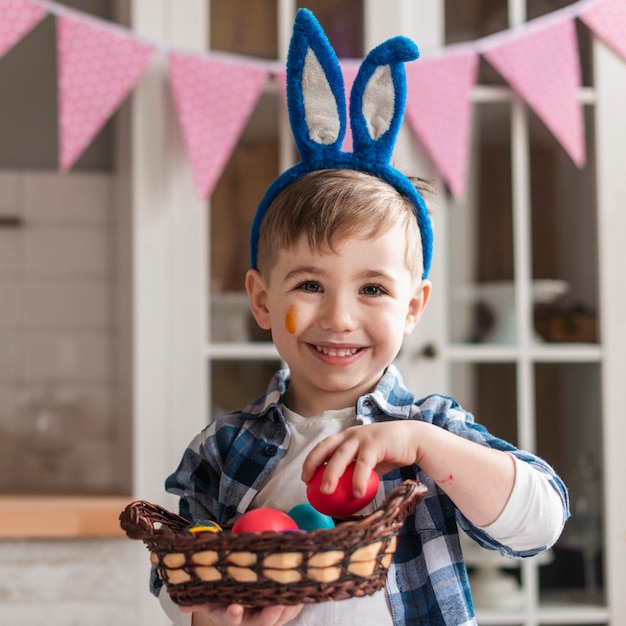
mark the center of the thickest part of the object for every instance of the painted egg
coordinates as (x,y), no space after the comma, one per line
(264,520)
(308,518)
(342,502)
(204,526)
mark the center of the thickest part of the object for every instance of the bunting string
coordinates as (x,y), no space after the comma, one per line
(100,63)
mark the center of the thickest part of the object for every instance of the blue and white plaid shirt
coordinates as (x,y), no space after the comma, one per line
(229,461)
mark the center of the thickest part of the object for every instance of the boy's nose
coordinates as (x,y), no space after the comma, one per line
(337,315)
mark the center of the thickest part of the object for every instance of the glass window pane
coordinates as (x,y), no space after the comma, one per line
(564,238)
(251,168)
(536,8)
(466,21)
(489,392)
(231,319)
(244,27)
(342,22)
(234,384)
(480,233)
(568,424)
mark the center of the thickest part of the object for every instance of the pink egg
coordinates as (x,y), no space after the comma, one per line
(264,520)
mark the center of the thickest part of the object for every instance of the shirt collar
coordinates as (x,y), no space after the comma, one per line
(390,397)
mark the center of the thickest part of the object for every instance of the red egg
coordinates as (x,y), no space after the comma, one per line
(264,520)
(342,502)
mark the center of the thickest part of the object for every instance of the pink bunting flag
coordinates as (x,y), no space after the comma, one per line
(439,110)
(17,19)
(541,64)
(607,19)
(349,69)
(98,65)
(214,98)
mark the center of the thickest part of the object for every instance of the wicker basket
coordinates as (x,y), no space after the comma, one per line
(264,569)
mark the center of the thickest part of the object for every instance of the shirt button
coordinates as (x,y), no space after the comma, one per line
(270,450)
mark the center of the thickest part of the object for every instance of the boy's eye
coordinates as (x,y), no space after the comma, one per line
(372,290)
(310,286)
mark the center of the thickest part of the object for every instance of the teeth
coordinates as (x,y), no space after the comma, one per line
(336,352)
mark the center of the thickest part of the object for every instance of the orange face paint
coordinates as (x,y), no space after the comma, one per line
(290,321)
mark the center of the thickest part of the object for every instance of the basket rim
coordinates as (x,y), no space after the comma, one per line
(140,518)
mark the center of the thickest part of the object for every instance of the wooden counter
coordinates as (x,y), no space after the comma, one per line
(60,516)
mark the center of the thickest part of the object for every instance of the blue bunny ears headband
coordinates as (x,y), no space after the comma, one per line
(317,113)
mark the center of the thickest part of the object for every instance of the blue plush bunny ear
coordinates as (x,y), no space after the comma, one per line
(317,112)
(378,99)
(315,91)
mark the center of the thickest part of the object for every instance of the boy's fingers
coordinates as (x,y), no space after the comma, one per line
(313,460)
(308,469)
(318,455)
(362,472)
(337,465)
(293,611)
(235,613)
(274,615)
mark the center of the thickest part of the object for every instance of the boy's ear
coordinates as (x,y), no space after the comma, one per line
(257,295)
(416,306)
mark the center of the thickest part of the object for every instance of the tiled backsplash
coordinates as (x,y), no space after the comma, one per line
(57,331)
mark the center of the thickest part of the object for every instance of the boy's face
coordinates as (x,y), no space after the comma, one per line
(338,318)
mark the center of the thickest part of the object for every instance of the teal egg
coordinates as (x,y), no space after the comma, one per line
(307,518)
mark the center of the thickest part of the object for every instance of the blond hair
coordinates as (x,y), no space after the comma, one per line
(331,206)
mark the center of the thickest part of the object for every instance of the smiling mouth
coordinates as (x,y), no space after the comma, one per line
(337,352)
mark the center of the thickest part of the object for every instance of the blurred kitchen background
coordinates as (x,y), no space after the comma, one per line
(124,325)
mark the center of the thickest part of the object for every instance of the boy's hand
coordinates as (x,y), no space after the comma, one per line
(478,479)
(381,447)
(237,615)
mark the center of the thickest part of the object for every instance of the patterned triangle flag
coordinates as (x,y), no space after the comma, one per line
(214,98)
(98,65)
(607,19)
(349,69)
(439,110)
(17,19)
(542,65)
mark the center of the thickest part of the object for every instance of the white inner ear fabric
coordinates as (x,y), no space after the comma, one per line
(378,101)
(320,106)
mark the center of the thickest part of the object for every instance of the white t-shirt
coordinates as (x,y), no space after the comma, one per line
(283,494)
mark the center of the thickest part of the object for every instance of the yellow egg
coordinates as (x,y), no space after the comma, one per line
(204,526)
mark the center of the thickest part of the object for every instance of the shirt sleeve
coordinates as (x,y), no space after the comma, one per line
(197,478)
(172,611)
(533,516)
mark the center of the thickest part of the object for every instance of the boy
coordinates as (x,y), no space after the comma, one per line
(340,256)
